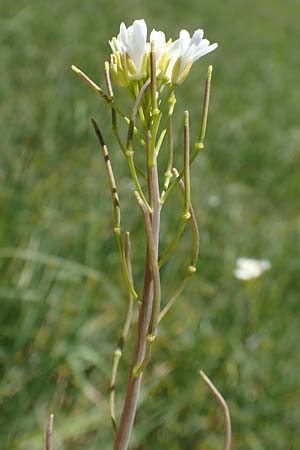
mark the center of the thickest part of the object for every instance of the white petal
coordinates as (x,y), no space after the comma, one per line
(197,37)
(154,35)
(204,51)
(140,29)
(137,42)
(120,46)
(159,39)
(186,58)
(174,49)
(203,43)
(111,45)
(174,52)
(123,34)
(184,37)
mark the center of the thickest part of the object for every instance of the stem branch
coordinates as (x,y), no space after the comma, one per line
(225,409)
(116,208)
(119,350)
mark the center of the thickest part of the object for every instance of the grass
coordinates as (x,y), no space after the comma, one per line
(62,296)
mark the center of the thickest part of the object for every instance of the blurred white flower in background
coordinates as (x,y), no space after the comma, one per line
(250,268)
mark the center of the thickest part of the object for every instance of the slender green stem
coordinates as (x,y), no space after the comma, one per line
(141,173)
(195,229)
(137,91)
(186,215)
(176,181)
(116,208)
(218,396)
(129,151)
(200,144)
(133,171)
(173,299)
(205,108)
(165,256)
(138,369)
(160,140)
(130,299)
(194,259)
(157,116)
(117,357)
(168,173)
(187,181)
(119,350)
(155,111)
(155,126)
(141,365)
(165,126)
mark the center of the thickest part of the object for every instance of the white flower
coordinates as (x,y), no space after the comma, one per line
(185,51)
(132,41)
(250,268)
(130,57)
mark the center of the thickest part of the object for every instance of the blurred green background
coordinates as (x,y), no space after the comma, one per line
(62,298)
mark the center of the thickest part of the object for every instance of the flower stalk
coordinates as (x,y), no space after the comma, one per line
(150,72)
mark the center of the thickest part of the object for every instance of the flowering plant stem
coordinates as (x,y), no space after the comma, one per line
(150,312)
(150,122)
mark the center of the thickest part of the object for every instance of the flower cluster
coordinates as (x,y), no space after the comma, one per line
(130,59)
